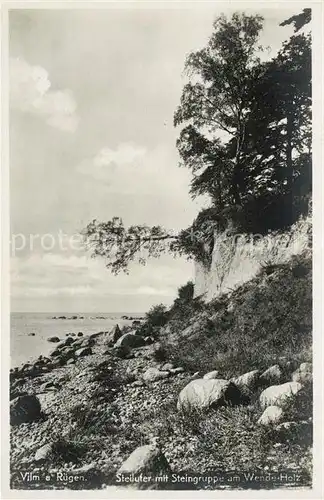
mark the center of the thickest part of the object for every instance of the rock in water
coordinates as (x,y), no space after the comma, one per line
(53,339)
(204,394)
(24,409)
(145,459)
(271,415)
(211,375)
(130,340)
(279,395)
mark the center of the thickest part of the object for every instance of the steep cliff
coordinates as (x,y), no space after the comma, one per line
(237,258)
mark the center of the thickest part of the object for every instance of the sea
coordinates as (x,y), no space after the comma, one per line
(25,347)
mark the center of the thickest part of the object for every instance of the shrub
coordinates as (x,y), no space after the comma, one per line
(157,315)
(186,292)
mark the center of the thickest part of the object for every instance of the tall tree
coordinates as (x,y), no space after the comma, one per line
(215,104)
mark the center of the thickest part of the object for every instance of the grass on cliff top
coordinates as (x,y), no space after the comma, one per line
(267,320)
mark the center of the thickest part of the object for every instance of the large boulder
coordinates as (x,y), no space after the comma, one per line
(273,375)
(271,415)
(25,408)
(208,393)
(279,395)
(116,334)
(211,375)
(145,459)
(248,381)
(130,340)
(303,374)
(153,374)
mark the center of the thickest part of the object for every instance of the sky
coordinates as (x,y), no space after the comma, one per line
(92,97)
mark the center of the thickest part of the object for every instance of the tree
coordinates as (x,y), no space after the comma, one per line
(120,246)
(216,100)
(280,153)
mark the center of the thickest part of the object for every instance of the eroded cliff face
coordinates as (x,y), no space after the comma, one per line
(236,258)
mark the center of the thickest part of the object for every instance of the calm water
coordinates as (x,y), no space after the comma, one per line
(24,347)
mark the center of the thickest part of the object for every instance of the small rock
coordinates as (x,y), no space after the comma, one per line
(167,367)
(177,370)
(95,335)
(153,374)
(271,415)
(137,383)
(43,453)
(53,339)
(145,459)
(88,342)
(306,367)
(195,376)
(80,334)
(148,340)
(31,334)
(70,361)
(211,375)
(85,468)
(248,381)
(272,375)
(303,374)
(49,385)
(279,395)
(84,351)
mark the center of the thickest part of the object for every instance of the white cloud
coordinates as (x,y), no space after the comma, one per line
(30,92)
(110,165)
(124,154)
(132,170)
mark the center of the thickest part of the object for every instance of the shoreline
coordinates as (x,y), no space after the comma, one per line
(29,340)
